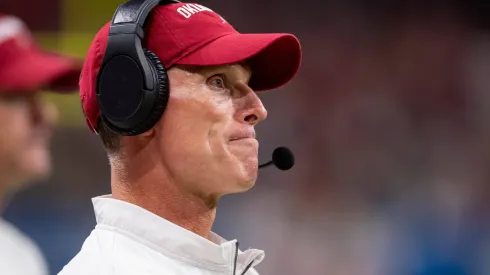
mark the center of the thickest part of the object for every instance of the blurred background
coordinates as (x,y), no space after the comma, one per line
(388,118)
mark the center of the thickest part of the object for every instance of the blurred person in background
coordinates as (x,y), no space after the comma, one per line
(168,172)
(26,121)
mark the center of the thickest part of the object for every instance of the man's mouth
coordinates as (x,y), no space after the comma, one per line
(247,133)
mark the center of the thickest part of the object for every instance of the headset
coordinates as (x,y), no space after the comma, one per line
(132,84)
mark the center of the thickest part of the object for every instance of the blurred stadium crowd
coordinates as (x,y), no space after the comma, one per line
(388,119)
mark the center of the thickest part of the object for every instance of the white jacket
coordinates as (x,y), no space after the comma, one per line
(19,255)
(131,240)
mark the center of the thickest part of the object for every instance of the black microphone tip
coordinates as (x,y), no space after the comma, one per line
(283,158)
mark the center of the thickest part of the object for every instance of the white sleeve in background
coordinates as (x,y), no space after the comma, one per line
(19,255)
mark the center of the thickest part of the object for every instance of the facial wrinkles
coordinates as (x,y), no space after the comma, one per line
(222,104)
(191,88)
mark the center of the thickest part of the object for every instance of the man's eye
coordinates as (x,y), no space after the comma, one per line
(217,82)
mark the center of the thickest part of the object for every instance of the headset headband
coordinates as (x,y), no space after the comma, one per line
(130,17)
(129,20)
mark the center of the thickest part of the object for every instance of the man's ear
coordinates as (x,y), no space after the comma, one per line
(148,133)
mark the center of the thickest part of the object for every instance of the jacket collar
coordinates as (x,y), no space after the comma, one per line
(171,239)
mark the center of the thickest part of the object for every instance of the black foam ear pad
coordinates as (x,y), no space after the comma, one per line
(162,97)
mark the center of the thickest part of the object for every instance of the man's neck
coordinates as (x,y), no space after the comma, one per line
(2,202)
(158,194)
(6,195)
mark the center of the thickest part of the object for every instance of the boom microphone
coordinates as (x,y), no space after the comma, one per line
(282,158)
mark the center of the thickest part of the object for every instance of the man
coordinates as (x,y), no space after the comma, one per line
(26,122)
(166,181)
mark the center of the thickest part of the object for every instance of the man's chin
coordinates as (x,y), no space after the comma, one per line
(245,184)
(37,172)
(27,180)
(250,174)
(34,170)
(248,185)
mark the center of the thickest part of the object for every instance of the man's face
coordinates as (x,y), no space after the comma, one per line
(206,135)
(26,123)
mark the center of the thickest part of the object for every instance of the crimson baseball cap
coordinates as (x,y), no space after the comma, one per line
(192,34)
(25,67)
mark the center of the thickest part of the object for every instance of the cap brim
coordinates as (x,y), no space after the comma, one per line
(273,58)
(35,70)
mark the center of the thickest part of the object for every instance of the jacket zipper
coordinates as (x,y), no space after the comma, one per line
(236,257)
(248,267)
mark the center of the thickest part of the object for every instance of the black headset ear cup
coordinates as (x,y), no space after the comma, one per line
(162,97)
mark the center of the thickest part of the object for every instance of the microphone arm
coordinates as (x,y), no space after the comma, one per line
(266,164)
